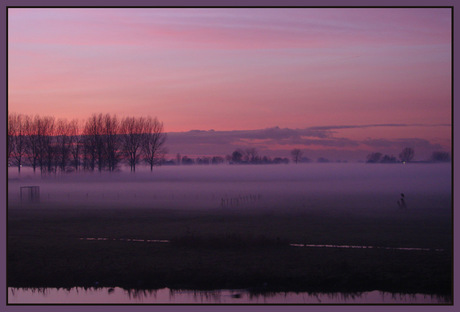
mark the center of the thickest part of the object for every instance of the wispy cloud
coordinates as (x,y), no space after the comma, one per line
(376,126)
(279,140)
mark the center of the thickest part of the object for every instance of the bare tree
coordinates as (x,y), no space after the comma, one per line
(440,156)
(237,156)
(89,143)
(407,154)
(217,160)
(111,141)
(93,143)
(40,142)
(17,140)
(251,155)
(132,137)
(32,141)
(47,150)
(296,155)
(374,157)
(11,135)
(63,144)
(153,145)
(387,159)
(75,144)
(178,158)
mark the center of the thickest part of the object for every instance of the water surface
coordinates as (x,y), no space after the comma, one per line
(167,296)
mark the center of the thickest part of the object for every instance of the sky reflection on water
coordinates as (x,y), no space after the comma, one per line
(167,296)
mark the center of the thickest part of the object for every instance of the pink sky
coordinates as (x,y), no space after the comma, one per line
(245,69)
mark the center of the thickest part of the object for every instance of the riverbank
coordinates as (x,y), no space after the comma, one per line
(231,249)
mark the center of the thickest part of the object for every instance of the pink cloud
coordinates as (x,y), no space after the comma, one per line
(233,69)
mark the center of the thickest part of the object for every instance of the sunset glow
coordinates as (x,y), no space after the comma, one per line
(238,69)
(229,156)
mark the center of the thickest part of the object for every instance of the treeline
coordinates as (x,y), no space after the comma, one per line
(406,155)
(243,156)
(239,156)
(102,142)
(251,156)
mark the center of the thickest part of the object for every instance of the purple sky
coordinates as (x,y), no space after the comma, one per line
(243,69)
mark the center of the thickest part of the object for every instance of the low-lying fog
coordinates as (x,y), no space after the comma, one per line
(233,186)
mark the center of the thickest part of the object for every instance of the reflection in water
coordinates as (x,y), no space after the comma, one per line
(365,247)
(292,245)
(115,295)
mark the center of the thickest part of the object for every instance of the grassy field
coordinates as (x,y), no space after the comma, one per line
(216,249)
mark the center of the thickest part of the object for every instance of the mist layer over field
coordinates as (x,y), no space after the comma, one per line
(232,226)
(303,186)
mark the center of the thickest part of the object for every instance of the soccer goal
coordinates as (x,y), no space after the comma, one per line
(30,194)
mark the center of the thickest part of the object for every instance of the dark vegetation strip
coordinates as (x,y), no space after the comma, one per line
(211,250)
(236,240)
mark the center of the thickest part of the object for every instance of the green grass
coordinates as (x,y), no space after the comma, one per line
(230,249)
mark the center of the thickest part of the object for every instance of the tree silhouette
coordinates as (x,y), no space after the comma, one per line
(440,157)
(93,144)
(17,147)
(43,142)
(63,144)
(11,134)
(296,155)
(111,141)
(407,154)
(46,146)
(251,155)
(388,159)
(133,136)
(32,141)
(237,156)
(374,157)
(75,144)
(153,145)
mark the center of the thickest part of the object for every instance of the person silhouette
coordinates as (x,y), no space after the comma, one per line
(401,202)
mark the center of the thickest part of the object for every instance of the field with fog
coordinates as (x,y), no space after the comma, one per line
(312,227)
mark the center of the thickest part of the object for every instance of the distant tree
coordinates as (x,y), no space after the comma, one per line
(187,161)
(237,156)
(407,154)
(153,146)
(251,155)
(203,160)
(388,159)
(228,158)
(266,160)
(280,160)
(217,160)
(296,155)
(374,157)
(178,158)
(440,157)
(323,160)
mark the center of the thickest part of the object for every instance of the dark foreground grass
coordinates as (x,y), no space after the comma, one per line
(223,249)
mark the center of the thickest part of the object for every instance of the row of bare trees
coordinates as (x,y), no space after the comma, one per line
(251,156)
(100,143)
